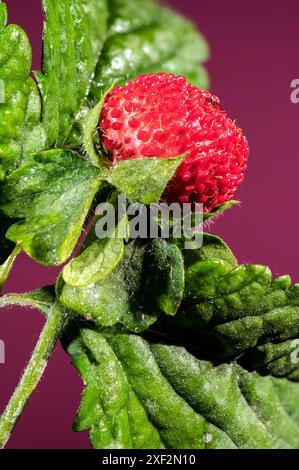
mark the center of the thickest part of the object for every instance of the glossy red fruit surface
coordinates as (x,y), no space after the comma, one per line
(162,115)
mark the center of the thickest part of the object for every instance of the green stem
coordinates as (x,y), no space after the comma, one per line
(56,321)
(6,267)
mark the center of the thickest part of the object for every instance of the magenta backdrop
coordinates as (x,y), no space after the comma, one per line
(255,51)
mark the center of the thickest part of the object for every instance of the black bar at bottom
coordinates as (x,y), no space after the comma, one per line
(137,458)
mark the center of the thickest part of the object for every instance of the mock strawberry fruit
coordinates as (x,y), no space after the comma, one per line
(162,115)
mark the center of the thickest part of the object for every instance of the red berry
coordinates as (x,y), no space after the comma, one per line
(162,115)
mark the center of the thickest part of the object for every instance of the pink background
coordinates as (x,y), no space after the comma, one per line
(255,51)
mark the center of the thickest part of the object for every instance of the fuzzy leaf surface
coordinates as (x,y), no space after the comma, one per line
(20,133)
(148,394)
(52,196)
(242,310)
(144,179)
(74,34)
(143,39)
(148,280)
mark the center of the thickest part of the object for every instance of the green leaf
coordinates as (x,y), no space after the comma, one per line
(52,197)
(260,393)
(278,359)
(135,292)
(74,34)
(128,15)
(75,40)
(240,309)
(21,134)
(148,394)
(171,276)
(3,16)
(144,179)
(98,259)
(42,299)
(204,266)
(166,43)
(287,393)
(213,249)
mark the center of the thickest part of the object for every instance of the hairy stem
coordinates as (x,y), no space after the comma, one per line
(6,267)
(54,326)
